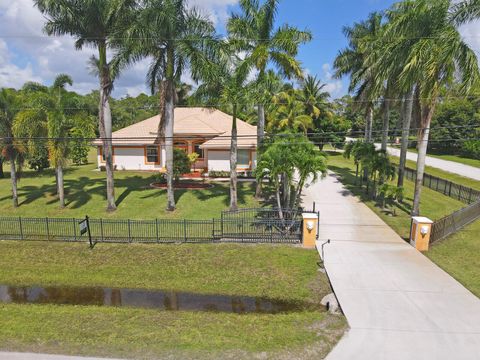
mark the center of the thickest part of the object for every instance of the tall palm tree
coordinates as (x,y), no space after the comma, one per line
(175,38)
(93,23)
(57,127)
(465,11)
(313,96)
(10,151)
(254,31)
(438,57)
(353,61)
(226,82)
(290,113)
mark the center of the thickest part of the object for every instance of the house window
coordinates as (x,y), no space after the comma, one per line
(152,154)
(198,150)
(243,158)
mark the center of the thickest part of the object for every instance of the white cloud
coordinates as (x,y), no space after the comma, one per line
(333,86)
(27,54)
(11,75)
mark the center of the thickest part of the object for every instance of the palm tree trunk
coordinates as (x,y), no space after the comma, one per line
(169,121)
(60,186)
(13,176)
(279,201)
(105,125)
(233,162)
(369,123)
(386,123)
(260,136)
(2,174)
(427,114)
(407,118)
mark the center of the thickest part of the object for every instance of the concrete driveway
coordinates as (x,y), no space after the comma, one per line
(399,304)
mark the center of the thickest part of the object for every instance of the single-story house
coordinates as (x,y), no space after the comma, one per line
(205,131)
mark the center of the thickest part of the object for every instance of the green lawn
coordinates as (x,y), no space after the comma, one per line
(434,205)
(458,254)
(85,189)
(275,272)
(457,158)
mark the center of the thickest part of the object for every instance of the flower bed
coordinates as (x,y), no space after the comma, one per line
(189,185)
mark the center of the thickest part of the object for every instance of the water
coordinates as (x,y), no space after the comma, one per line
(153,299)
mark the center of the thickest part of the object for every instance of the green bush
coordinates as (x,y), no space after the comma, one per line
(181,163)
(471,148)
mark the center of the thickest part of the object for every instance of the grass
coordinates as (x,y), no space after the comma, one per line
(85,189)
(449,157)
(275,272)
(434,205)
(458,254)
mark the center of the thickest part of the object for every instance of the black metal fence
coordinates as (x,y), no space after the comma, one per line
(446,187)
(249,225)
(452,223)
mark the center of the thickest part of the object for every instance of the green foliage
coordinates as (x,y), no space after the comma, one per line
(285,156)
(83,128)
(181,163)
(455,118)
(39,160)
(193,157)
(471,148)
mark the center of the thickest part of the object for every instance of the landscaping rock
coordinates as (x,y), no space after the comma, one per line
(331,302)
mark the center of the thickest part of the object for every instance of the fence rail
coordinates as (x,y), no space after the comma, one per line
(252,225)
(454,222)
(446,187)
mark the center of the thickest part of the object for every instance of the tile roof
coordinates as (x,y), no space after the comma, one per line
(195,121)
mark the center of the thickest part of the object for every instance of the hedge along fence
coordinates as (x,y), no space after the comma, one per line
(245,229)
(446,187)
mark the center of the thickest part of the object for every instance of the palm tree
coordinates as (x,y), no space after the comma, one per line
(226,82)
(10,151)
(57,127)
(438,57)
(353,61)
(254,31)
(93,23)
(465,11)
(290,113)
(314,97)
(174,38)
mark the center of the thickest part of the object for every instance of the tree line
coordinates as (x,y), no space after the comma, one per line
(407,56)
(401,63)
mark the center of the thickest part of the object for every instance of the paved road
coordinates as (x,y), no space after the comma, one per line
(450,166)
(399,305)
(32,356)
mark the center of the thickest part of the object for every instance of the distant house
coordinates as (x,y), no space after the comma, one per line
(205,131)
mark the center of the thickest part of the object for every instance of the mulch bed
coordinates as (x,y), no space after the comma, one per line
(184,185)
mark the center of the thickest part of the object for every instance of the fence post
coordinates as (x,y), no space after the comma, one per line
(156,230)
(129,232)
(21,227)
(48,229)
(221,224)
(185,230)
(450,189)
(74,229)
(309,229)
(470,196)
(101,229)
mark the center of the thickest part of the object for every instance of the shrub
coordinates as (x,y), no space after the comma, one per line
(471,148)
(181,164)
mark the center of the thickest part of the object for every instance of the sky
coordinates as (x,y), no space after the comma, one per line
(27,54)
